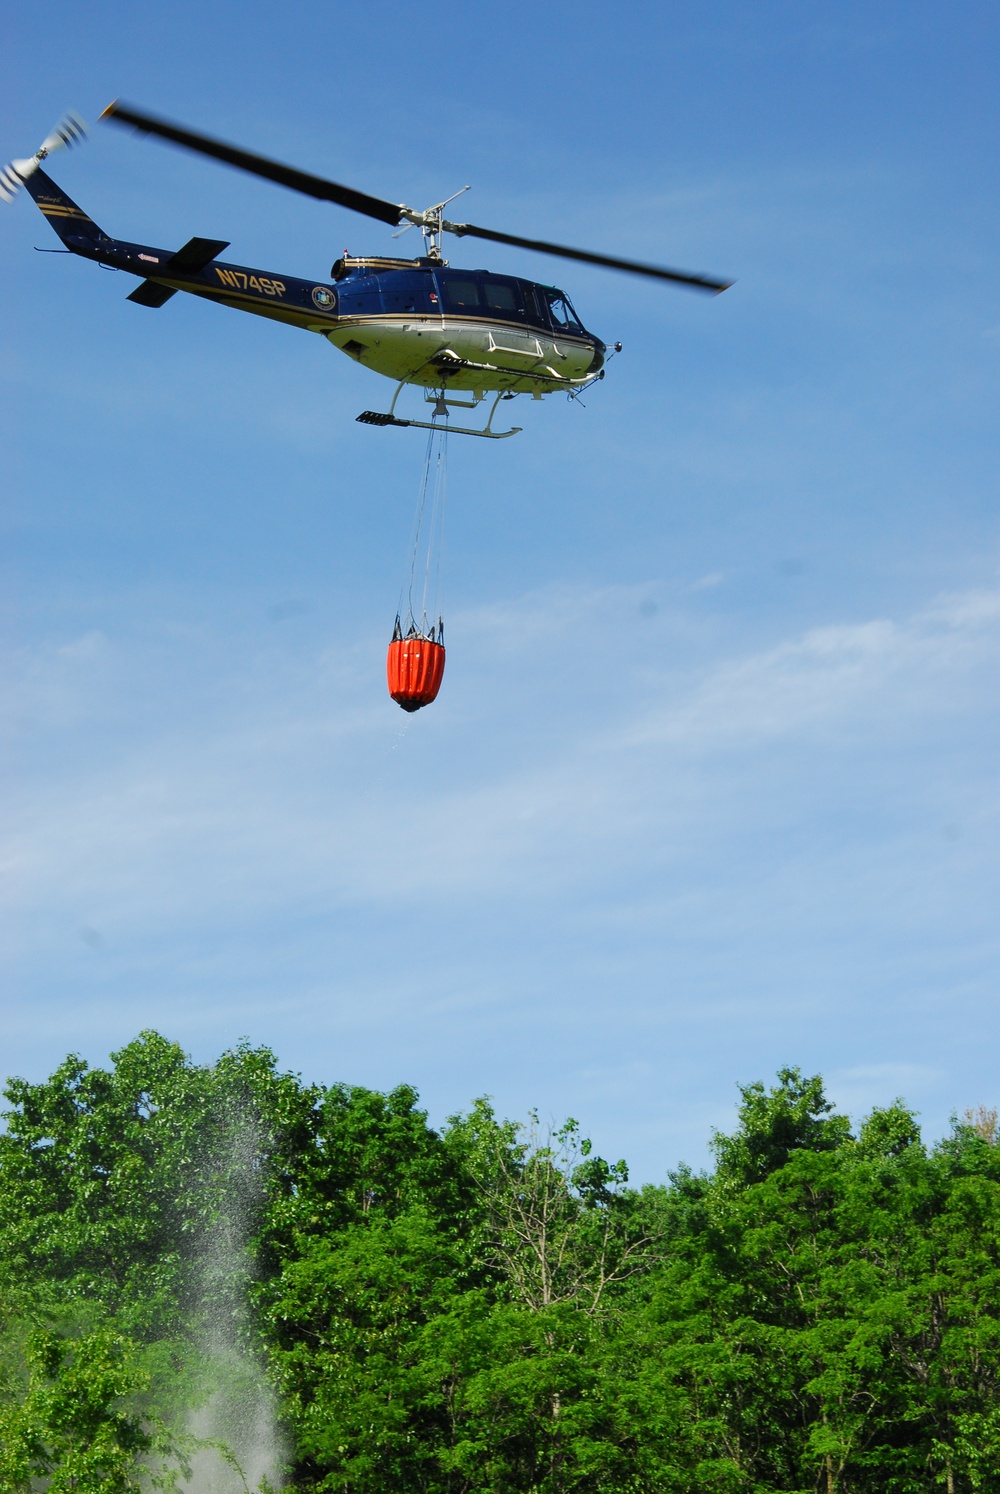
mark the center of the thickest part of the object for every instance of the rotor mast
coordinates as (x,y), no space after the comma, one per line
(431,222)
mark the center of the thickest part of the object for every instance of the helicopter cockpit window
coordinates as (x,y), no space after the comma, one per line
(562,312)
(503,295)
(460,295)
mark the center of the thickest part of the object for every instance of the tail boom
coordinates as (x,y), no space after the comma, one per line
(193,268)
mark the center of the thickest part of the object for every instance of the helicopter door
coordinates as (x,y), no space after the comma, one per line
(506,300)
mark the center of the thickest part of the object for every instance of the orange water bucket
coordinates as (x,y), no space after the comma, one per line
(414,670)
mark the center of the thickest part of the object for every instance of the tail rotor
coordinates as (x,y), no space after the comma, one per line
(70,131)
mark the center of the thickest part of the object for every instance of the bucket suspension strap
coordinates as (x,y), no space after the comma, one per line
(426,546)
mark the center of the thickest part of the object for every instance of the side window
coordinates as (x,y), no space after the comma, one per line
(504,296)
(459,294)
(561,312)
(402,292)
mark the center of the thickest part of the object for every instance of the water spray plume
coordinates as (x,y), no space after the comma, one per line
(239,1445)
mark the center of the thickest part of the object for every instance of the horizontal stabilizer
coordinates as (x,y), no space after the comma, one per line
(189,259)
(149,293)
(194,256)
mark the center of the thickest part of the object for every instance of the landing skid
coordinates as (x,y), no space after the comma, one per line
(376,417)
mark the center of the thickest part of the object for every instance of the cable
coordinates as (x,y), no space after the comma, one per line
(427,536)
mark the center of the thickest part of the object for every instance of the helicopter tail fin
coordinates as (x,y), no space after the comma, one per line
(70,222)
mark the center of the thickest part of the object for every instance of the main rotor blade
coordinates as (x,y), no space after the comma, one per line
(274,171)
(633,267)
(378,207)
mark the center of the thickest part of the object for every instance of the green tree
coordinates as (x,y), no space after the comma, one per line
(490,1307)
(79,1426)
(116,1188)
(794,1116)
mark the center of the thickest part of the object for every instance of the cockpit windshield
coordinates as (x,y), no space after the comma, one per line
(561,311)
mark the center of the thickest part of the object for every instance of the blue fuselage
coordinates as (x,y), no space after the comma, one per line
(415,321)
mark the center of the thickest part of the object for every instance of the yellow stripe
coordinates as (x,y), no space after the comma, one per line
(239,302)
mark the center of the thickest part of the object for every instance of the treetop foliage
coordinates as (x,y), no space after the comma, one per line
(487,1306)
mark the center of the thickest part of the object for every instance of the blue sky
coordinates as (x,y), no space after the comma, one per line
(711,786)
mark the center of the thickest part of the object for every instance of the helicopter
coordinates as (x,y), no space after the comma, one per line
(416,321)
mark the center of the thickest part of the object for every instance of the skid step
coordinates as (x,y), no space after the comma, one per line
(378,417)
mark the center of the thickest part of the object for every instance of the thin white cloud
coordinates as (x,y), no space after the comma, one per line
(279,794)
(830,674)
